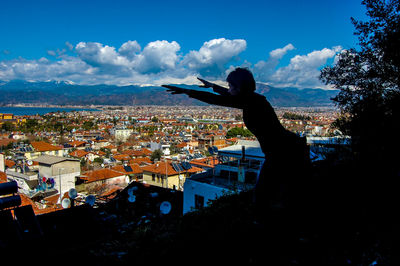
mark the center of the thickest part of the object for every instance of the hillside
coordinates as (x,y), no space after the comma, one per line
(342,224)
(61,93)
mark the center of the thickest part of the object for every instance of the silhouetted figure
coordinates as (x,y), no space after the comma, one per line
(286,153)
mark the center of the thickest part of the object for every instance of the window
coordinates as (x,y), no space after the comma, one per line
(153,177)
(198,201)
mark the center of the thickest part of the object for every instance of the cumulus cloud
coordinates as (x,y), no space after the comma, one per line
(280,52)
(129,49)
(97,54)
(302,71)
(214,54)
(264,69)
(157,56)
(161,62)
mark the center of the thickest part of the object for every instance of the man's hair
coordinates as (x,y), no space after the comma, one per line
(243,79)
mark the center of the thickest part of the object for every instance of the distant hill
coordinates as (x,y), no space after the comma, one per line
(63,93)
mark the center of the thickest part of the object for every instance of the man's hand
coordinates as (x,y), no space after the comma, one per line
(206,84)
(174,90)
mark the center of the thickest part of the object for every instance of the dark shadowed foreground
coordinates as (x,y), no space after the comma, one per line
(345,220)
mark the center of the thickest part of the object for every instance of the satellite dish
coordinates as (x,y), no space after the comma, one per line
(131,190)
(132,198)
(90,200)
(72,193)
(29,162)
(127,179)
(215,149)
(65,203)
(165,207)
(102,165)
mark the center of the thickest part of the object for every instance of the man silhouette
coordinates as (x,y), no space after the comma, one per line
(286,153)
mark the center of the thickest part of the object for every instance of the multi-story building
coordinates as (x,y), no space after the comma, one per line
(211,140)
(38,148)
(167,174)
(238,169)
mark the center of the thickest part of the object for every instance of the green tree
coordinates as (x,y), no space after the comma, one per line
(369,82)
(8,126)
(87,125)
(98,160)
(294,116)
(236,131)
(156,155)
(31,125)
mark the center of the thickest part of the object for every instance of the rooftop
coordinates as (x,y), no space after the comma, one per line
(50,159)
(40,146)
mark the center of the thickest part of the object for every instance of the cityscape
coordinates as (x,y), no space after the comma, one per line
(134,137)
(220,132)
(62,161)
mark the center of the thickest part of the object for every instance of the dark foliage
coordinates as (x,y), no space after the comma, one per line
(369,83)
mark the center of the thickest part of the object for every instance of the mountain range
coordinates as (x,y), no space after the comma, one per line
(64,93)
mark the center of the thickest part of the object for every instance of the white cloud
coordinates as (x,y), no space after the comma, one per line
(157,56)
(280,52)
(69,46)
(129,49)
(161,62)
(303,70)
(264,69)
(214,54)
(97,54)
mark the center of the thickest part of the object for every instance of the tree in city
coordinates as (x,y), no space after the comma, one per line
(156,155)
(8,126)
(238,131)
(88,125)
(369,82)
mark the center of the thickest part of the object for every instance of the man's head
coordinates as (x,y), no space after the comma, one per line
(241,81)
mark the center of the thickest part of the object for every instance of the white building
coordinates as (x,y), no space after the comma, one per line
(2,165)
(238,169)
(122,134)
(164,147)
(62,170)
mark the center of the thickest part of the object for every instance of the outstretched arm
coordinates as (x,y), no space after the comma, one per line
(207,97)
(216,88)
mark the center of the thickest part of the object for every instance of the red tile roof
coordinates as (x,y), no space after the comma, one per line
(78,153)
(3,177)
(40,146)
(122,157)
(162,169)
(77,143)
(9,163)
(141,161)
(101,174)
(135,169)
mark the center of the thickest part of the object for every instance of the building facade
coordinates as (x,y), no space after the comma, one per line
(237,170)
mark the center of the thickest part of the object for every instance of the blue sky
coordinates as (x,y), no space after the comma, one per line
(284,43)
